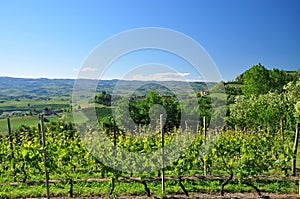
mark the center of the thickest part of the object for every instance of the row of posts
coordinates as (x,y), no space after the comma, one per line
(41,129)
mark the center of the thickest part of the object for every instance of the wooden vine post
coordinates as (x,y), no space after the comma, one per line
(115,137)
(162,155)
(11,147)
(204,142)
(140,129)
(45,155)
(295,149)
(40,134)
(282,128)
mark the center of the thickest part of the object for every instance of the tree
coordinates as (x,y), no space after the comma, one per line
(255,112)
(141,111)
(266,110)
(103,98)
(256,81)
(292,90)
(278,79)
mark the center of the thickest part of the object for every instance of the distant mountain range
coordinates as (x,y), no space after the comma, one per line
(43,87)
(28,88)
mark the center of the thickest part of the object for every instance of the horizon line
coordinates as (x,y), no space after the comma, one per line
(112,79)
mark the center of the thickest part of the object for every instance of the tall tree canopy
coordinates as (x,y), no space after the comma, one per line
(256,81)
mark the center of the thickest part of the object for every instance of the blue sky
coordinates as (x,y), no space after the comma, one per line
(53,38)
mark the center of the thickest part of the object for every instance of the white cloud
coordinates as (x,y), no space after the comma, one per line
(166,76)
(184,74)
(88,69)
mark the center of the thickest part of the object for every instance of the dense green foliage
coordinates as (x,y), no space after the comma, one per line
(269,99)
(103,98)
(259,80)
(256,80)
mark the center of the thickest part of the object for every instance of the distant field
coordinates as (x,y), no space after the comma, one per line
(16,122)
(32,104)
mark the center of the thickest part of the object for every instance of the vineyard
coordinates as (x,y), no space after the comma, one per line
(240,161)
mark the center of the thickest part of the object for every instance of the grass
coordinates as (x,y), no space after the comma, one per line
(31,104)
(80,117)
(26,105)
(16,122)
(17,108)
(124,188)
